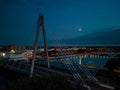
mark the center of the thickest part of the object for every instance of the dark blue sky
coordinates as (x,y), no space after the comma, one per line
(63,18)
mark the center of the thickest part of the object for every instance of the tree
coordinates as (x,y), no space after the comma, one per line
(81,51)
(113,63)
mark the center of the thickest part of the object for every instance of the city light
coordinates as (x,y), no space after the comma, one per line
(12,51)
(3,54)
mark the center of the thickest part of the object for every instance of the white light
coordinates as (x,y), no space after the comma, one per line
(80,29)
(3,54)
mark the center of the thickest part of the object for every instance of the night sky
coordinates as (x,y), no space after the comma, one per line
(63,18)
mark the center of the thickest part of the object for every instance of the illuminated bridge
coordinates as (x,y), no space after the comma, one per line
(75,72)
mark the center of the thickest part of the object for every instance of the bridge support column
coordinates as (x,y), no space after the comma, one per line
(80,60)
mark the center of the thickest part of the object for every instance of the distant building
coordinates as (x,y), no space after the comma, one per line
(13,48)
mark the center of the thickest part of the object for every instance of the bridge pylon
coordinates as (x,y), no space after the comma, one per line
(40,24)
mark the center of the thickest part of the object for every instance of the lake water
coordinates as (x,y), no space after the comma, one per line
(95,61)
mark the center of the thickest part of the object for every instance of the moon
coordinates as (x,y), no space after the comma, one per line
(80,29)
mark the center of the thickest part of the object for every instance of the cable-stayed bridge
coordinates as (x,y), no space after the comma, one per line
(76,73)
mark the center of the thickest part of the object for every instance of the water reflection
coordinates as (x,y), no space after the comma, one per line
(92,61)
(97,60)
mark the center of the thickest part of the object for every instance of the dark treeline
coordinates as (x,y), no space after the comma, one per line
(112,73)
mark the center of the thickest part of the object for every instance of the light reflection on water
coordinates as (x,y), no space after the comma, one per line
(96,60)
